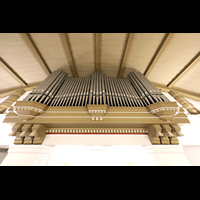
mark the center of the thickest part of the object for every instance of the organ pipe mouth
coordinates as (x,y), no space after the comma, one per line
(96,89)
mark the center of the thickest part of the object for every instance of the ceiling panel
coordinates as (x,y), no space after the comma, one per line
(82,45)
(112,46)
(142,49)
(51,48)
(191,80)
(16,53)
(180,50)
(6,80)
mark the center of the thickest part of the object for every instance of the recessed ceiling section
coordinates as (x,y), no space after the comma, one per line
(112,47)
(142,49)
(180,50)
(17,54)
(51,47)
(82,46)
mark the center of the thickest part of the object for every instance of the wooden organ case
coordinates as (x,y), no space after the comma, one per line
(96,104)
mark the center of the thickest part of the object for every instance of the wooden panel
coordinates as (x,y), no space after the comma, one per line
(127,46)
(6,80)
(191,80)
(185,69)
(4,65)
(36,52)
(52,50)
(142,50)
(97,51)
(82,45)
(111,52)
(17,54)
(180,50)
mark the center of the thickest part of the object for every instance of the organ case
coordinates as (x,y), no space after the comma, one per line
(96,104)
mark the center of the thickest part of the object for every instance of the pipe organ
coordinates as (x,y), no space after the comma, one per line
(96,89)
(96,104)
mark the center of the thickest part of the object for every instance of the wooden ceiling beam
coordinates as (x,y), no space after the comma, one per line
(34,49)
(125,54)
(68,50)
(185,69)
(185,93)
(97,51)
(12,72)
(8,91)
(165,41)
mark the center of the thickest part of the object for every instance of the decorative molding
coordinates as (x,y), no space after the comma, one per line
(97,112)
(185,103)
(10,100)
(95,131)
(27,110)
(28,133)
(164,110)
(154,132)
(164,134)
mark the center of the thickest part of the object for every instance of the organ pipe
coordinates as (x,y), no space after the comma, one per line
(96,89)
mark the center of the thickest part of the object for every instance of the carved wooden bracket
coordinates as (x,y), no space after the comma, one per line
(28,133)
(164,110)
(27,110)
(164,134)
(97,111)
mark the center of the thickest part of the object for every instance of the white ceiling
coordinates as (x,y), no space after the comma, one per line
(182,47)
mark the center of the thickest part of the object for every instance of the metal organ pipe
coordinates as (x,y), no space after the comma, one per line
(109,91)
(69,92)
(96,89)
